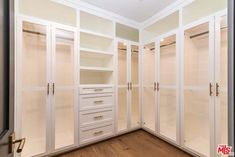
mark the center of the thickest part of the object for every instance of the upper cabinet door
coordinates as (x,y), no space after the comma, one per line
(149,86)
(122,87)
(197,88)
(33,92)
(134,86)
(167,73)
(63,88)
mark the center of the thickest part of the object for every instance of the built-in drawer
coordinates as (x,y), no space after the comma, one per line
(94,133)
(95,101)
(92,117)
(96,90)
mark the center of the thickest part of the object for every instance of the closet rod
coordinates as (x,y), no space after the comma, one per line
(126,49)
(43,34)
(203,33)
(172,43)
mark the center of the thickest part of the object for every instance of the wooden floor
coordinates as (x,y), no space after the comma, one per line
(135,144)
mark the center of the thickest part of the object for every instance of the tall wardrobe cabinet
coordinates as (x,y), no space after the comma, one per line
(128,89)
(46,86)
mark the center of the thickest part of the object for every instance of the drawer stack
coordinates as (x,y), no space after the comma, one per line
(96,113)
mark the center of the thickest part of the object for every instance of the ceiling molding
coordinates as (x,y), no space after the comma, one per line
(165,12)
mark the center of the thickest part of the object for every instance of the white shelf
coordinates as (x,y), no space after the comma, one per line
(96,34)
(98,69)
(95,51)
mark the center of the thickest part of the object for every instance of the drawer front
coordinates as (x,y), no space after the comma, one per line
(95,101)
(95,90)
(89,134)
(96,116)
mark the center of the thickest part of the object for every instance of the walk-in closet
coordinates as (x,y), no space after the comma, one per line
(85,74)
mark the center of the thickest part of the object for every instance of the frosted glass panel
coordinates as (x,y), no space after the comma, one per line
(223,80)
(202,8)
(168,113)
(34,55)
(122,64)
(64,58)
(196,121)
(122,109)
(196,92)
(64,118)
(135,112)
(196,56)
(168,61)
(148,86)
(134,64)
(34,120)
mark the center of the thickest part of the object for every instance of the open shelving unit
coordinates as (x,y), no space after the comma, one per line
(96,50)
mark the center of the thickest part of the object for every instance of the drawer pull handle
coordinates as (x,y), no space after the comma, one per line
(98,90)
(98,132)
(98,102)
(98,117)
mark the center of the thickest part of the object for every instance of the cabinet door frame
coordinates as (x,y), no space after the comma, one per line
(142,86)
(210,21)
(177,59)
(217,66)
(73,87)
(18,77)
(128,44)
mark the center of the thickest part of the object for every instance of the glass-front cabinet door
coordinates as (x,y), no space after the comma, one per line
(197,88)
(32,100)
(123,87)
(221,77)
(134,87)
(167,88)
(149,86)
(63,88)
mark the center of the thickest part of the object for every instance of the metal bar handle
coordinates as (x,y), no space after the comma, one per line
(53,88)
(155,86)
(48,88)
(158,86)
(210,89)
(217,89)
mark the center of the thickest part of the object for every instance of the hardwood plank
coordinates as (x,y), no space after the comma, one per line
(135,144)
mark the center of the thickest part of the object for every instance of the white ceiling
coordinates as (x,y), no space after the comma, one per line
(137,10)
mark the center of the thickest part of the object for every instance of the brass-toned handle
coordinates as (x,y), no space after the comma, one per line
(53,88)
(48,88)
(98,102)
(98,89)
(217,89)
(98,132)
(158,87)
(12,142)
(155,86)
(210,89)
(98,117)
(130,85)
(21,145)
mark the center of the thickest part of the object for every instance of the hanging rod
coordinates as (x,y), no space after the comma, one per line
(43,34)
(203,33)
(172,43)
(126,49)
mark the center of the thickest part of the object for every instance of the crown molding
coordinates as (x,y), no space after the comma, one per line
(165,12)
